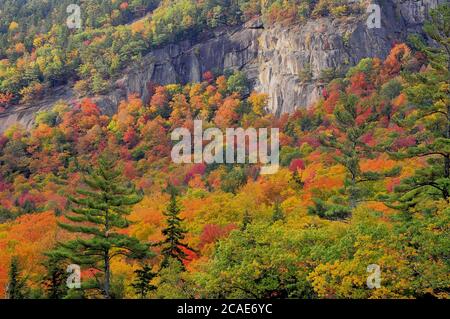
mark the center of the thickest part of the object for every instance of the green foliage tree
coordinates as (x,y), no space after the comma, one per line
(16,288)
(349,144)
(14,157)
(427,238)
(427,117)
(233,179)
(98,214)
(261,262)
(238,82)
(246,220)
(297,179)
(336,210)
(172,283)
(142,284)
(54,281)
(174,233)
(278,213)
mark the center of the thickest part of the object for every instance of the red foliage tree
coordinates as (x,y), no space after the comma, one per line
(208,76)
(197,169)
(297,164)
(213,232)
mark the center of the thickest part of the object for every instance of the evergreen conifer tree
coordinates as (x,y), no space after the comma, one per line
(174,233)
(347,141)
(16,288)
(142,285)
(98,214)
(427,118)
(54,281)
(277,212)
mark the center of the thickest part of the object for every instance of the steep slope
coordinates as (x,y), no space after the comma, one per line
(289,63)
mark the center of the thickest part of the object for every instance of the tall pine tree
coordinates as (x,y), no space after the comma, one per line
(98,214)
(174,233)
(54,281)
(426,117)
(353,118)
(16,288)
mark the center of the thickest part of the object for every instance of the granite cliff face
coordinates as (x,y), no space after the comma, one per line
(290,64)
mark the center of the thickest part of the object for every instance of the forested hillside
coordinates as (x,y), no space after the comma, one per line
(38,51)
(364,177)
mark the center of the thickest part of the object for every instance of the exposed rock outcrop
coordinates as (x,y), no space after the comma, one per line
(287,63)
(24,114)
